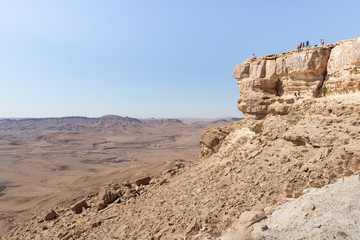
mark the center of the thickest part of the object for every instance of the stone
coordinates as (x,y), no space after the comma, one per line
(120,232)
(193,227)
(269,210)
(163,181)
(264,227)
(127,184)
(297,194)
(78,207)
(211,139)
(50,215)
(143,181)
(248,218)
(101,205)
(308,206)
(106,196)
(96,224)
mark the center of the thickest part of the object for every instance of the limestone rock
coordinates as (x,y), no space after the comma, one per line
(143,181)
(50,215)
(211,139)
(78,207)
(267,83)
(299,219)
(250,217)
(127,184)
(120,232)
(343,69)
(107,196)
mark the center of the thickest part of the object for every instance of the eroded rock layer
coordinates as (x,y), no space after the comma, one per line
(343,69)
(267,84)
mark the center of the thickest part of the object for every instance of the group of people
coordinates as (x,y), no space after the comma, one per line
(307,44)
(303,45)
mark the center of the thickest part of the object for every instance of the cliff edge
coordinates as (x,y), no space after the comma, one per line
(267,84)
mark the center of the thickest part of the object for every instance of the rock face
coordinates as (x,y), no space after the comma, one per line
(343,69)
(267,84)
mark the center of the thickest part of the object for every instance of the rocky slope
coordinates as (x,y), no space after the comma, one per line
(286,145)
(330,212)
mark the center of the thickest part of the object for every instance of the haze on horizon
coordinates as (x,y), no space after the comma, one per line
(143,59)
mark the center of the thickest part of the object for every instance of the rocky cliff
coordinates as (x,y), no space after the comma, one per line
(267,84)
(246,169)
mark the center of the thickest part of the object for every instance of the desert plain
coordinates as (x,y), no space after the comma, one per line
(48,162)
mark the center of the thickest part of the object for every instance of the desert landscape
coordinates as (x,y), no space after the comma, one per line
(179,120)
(46,162)
(290,170)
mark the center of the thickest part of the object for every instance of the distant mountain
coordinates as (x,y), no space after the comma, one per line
(68,123)
(93,124)
(163,122)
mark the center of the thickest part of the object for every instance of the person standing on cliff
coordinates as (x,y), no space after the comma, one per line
(307,43)
(254,56)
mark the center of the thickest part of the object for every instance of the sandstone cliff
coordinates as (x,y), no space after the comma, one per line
(246,169)
(267,84)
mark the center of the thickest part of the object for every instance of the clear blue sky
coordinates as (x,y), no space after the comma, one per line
(148,58)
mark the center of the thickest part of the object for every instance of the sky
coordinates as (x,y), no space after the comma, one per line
(142,58)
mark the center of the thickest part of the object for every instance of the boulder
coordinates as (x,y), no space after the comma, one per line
(50,215)
(143,181)
(78,207)
(127,184)
(248,218)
